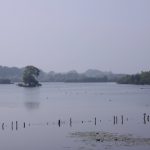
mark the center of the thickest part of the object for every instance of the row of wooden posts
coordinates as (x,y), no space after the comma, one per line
(14,125)
(116,119)
(146,119)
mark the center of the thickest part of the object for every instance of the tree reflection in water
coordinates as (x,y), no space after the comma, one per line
(32,105)
(32,98)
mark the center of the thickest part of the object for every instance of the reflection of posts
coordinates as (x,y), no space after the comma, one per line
(31,105)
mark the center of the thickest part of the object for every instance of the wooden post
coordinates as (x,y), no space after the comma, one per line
(114,120)
(122,119)
(3,126)
(148,118)
(59,123)
(16,125)
(70,122)
(144,118)
(95,121)
(12,125)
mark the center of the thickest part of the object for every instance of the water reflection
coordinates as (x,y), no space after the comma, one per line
(32,105)
(32,98)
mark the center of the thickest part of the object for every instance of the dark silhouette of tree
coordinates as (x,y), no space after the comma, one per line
(142,78)
(30,76)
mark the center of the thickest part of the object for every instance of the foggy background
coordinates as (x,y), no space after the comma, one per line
(62,35)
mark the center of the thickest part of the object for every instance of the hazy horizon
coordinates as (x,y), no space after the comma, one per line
(64,35)
(78,71)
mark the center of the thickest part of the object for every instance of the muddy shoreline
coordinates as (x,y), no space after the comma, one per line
(113,139)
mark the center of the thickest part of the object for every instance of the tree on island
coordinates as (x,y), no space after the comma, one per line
(30,76)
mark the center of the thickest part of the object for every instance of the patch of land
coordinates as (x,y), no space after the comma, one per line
(111,138)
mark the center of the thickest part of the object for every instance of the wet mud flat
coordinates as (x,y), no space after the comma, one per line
(109,140)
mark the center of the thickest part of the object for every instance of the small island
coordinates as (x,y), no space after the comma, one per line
(30,76)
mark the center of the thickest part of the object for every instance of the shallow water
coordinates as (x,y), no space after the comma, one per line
(37,111)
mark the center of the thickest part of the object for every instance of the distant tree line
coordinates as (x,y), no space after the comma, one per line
(12,73)
(89,79)
(5,81)
(15,75)
(140,78)
(73,76)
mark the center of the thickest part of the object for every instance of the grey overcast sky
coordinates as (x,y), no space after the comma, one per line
(62,35)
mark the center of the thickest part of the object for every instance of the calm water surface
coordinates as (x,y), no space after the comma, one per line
(37,111)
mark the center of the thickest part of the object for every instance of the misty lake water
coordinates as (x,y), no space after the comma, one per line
(37,111)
